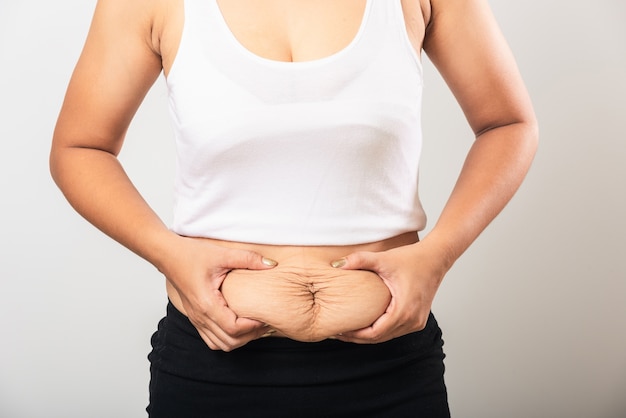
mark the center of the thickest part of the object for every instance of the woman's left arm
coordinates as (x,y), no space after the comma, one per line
(465,44)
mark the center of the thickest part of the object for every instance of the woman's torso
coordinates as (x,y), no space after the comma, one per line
(304,297)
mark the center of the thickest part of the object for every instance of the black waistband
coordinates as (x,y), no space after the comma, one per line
(178,349)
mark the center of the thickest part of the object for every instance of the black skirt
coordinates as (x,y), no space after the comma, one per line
(279,377)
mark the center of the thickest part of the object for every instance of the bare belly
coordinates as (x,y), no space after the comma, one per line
(304,298)
(307,303)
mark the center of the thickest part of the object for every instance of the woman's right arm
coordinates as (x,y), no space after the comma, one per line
(118,65)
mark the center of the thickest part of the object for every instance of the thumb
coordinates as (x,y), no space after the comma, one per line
(361,260)
(244,259)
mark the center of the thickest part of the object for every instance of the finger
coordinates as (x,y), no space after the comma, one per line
(244,326)
(244,259)
(220,327)
(377,332)
(228,321)
(217,339)
(211,340)
(354,337)
(361,260)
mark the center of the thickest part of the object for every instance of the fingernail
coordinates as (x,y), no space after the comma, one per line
(269,262)
(339,263)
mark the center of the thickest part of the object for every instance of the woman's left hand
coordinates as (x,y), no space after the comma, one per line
(413,274)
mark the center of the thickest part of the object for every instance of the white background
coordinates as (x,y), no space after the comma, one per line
(534,314)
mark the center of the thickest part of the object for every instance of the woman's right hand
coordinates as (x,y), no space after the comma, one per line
(196,269)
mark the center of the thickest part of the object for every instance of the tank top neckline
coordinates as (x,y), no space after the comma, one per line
(230,36)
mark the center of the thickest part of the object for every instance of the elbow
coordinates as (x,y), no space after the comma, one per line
(530,135)
(527,142)
(54,164)
(57,159)
(516,141)
(525,135)
(524,132)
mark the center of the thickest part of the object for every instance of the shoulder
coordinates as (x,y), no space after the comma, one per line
(131,13)
(129,19)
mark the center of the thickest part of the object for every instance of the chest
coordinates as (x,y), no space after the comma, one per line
(287,30)
(292,31)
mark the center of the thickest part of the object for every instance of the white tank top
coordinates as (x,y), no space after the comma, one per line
(321,152)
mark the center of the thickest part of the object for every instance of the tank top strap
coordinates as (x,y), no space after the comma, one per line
(396,16)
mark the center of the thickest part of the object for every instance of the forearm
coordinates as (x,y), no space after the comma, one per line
(493,171)
(96,185)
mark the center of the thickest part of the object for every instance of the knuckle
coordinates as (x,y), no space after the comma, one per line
(199,316)
(194,318)
(422,324)
(213,346)
(230,344)
(375,336)
(230,329)
(202,311)
(366,259)
(245,255)
(357,257)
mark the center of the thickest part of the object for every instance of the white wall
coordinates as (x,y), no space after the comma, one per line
(533,314)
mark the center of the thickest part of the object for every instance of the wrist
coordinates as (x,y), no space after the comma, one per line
(440,249)
(163,245)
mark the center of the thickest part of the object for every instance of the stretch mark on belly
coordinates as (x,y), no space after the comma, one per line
(314,303)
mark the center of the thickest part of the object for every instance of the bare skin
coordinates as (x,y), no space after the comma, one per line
(132,41)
